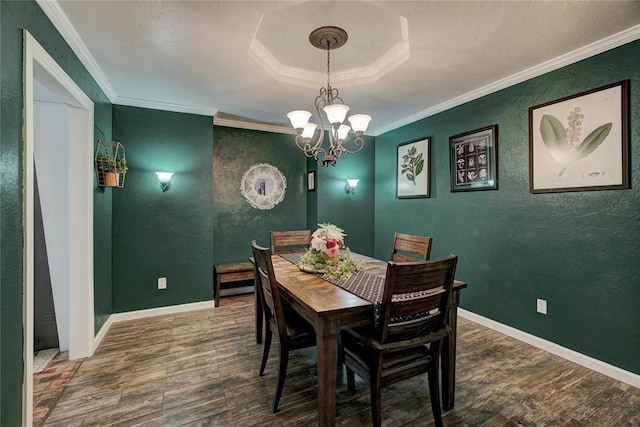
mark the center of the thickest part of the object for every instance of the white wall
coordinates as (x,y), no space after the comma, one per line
(51,154)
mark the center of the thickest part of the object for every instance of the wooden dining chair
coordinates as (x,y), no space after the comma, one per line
(291,330)
(407,340)
(290,241)
(407,248)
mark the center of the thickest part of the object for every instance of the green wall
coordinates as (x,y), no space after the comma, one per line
(579,251)
(312,196)
(354,213)
(158,234)
(14,17)
(235,222)
(102,245)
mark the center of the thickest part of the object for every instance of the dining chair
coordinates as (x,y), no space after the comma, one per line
(411,326)
(407,248)
(290,241)
(291,330)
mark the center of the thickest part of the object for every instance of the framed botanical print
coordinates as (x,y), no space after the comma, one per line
(413,169)
(473,158)
(581,142)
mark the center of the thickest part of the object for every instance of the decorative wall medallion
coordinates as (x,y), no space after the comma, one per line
(263,185)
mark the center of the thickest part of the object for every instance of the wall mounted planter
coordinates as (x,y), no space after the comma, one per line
(110,164)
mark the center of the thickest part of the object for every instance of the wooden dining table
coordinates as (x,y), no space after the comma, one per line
(329,308)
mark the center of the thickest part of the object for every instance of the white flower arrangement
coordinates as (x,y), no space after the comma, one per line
(324,254)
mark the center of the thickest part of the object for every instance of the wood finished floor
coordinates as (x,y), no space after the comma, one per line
(200,369)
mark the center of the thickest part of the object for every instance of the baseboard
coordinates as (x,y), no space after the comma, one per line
(102,333)
(160,311)
(596,365)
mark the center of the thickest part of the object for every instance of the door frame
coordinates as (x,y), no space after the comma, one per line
(80,182)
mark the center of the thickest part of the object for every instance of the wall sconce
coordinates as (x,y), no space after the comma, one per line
(165,180)
(350,186)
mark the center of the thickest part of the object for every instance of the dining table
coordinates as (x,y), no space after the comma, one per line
(331,308)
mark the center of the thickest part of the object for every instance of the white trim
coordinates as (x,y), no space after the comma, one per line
(252,125)
(102,332)
(81,210)
(27,308)
(63,25)
(165,106)
(160,311)
(553,348)
(579,54)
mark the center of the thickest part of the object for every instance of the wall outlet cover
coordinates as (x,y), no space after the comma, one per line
(541,306)
(162,283)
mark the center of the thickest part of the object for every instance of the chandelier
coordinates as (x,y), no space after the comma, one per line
(341,140)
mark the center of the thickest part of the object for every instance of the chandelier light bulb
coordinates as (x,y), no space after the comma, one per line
(299,118)
(359,122)
(336,113)
(343,131)
(309,130)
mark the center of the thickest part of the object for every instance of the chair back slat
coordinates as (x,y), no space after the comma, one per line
(407,248)
(270,291)
(416,298)
(289,241)
(416,304)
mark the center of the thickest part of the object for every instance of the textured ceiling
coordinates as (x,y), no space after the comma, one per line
(196,55)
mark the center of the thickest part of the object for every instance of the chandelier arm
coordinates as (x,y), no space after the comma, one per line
(317,152)
(335,96)
(320,102)
(357,142)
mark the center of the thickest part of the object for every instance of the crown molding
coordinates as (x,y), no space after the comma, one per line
(166,106)
(253,125)
(55,14)
(608,43)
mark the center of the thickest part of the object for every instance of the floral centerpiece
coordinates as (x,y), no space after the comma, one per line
(325,256)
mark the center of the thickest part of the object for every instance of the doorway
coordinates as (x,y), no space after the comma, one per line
(69,178)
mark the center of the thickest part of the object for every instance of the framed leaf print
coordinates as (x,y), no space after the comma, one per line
(413,169)
(581,142)
(473,158)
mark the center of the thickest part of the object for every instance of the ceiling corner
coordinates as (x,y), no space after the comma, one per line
(55,14)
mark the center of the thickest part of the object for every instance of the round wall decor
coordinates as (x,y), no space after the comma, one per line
(263,185)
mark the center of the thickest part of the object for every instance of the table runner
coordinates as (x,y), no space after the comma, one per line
(362,283)
(367,286)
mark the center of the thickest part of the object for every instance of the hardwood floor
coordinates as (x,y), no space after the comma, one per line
(200,369)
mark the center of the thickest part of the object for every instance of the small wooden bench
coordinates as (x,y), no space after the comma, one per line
(227,272)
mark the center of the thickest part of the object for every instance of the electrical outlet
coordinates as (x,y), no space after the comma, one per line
(162,283)
(541,306)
